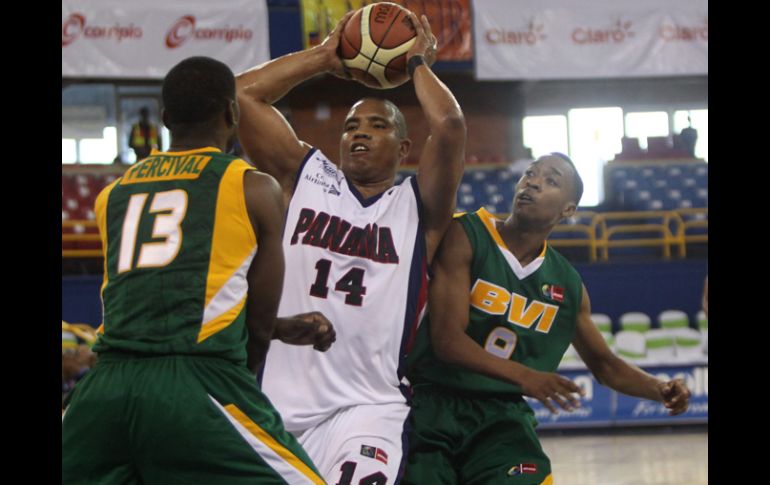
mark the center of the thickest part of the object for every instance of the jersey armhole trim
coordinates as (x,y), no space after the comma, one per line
(301,168)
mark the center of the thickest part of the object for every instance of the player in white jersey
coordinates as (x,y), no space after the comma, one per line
(357,250)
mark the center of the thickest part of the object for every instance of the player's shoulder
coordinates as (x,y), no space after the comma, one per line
(560,262)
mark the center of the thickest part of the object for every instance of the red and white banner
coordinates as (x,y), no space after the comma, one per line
(145,38)
(563,39)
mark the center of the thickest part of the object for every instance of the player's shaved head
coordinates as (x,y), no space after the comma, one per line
(398,116)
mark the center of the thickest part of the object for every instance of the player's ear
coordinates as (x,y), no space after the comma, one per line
(232,114)
(569,210)
(403,151)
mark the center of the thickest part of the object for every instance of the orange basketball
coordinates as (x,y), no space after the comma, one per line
(374,43)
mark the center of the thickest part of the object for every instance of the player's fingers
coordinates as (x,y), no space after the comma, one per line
(570,386)
(341,24)
(677,410)
(417,24)
(573,399)
(559,399)
(325,341)
(548,404)
(320,318)
(426,27)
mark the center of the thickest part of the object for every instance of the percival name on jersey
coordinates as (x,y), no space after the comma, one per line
(362,264)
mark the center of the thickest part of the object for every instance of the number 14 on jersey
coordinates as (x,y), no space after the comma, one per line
(351,283)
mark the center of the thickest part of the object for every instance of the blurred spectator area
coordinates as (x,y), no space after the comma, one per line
(654,210)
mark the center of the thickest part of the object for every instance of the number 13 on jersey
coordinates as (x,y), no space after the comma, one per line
(170,207)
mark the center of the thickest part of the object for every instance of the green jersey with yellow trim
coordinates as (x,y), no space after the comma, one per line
(525,314)
(178,243)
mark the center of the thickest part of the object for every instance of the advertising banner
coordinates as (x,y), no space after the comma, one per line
(561,39)
(633,410)
(603,407)
(144,39)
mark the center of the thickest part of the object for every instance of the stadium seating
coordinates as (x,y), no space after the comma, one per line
(661,186)
(635,322)
(703,326)
(672,319)
(660,345)
(688,345)
(631,345)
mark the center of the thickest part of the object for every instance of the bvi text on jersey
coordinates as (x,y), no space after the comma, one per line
(496,300)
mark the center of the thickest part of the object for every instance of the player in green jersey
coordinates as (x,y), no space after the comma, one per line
(192,279)
(503,308)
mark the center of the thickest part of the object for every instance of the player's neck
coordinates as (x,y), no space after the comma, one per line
(371,189)
(525,243)
(183,144)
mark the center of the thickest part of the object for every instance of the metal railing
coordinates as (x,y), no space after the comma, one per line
(598,232)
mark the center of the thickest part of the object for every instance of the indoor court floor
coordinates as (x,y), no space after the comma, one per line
(661,456)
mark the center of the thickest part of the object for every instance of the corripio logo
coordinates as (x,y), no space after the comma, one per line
(71,28)
(615,35)
(76,25)
(185,28)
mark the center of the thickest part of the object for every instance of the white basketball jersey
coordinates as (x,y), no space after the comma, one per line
(362,264)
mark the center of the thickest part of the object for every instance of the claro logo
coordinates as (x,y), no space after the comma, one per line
(682,33)
(531,35)
(75,25)
(185,29)
(615,35)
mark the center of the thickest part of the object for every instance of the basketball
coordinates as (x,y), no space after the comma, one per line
(374,43)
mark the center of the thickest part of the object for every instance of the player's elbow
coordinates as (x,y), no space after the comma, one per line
(249,92)
(452,125)
(445,348)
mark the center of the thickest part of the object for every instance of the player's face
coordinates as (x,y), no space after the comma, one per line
(544,192)
(370,148)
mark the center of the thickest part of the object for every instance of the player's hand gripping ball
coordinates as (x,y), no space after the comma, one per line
(374,43)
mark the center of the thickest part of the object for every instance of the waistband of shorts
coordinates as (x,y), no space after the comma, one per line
(438,389)
(124,356)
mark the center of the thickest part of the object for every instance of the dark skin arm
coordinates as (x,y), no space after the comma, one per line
(443,157)
(449,300)
(264,203)
(615,373)
(306,329)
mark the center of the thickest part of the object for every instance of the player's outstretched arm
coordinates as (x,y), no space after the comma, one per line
(443,157)
(265,135)
(264,202)
(449,303)
(614,372)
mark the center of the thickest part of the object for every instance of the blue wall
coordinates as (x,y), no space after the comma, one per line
(614,288)
(617,288)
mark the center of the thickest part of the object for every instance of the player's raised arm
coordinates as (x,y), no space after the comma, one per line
(442,158)
(264,133)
